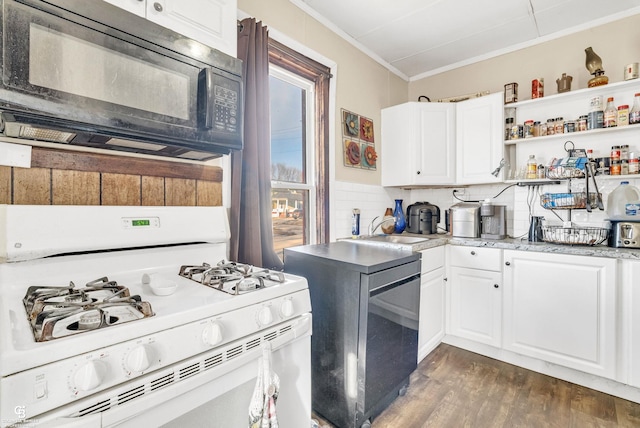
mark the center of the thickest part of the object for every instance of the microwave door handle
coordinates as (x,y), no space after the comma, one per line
(205,94)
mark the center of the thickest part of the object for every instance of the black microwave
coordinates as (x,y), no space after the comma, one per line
(87,73)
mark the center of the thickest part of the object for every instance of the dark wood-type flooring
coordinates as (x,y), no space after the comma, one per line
(454,388)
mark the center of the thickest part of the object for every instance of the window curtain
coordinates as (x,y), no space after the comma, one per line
(251,223)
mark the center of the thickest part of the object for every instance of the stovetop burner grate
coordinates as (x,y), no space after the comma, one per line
(231,277)
(56,312)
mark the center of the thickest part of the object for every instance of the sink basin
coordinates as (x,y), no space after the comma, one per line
(396,239)
(391,241)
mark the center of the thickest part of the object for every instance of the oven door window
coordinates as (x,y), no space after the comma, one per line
(59,60)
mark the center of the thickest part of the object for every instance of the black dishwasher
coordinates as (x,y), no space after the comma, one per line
(365,305)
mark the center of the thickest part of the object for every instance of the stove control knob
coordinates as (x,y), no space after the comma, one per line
(138,360)
(264,316)
(89,376)
(212,334)
(286,308)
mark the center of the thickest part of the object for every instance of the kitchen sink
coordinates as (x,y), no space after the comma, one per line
(391,241)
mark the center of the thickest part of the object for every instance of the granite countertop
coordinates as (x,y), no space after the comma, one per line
(524,245)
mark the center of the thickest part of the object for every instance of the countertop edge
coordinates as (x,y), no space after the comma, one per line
(523,245)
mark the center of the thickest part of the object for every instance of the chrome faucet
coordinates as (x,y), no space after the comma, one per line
(372,227)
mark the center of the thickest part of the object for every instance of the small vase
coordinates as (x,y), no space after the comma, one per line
(398,213)
(388,222)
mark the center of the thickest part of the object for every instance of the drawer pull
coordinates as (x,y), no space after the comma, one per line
(473,253)
(496,286)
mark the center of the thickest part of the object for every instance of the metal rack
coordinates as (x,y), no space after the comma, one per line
(574,235)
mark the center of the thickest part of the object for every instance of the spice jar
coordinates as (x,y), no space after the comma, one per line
(624,167)
(582,123)
(559,125)
(536,128)
(624,152)
(543,129)
(615,167)
(570,126)
(507,129)
(615,153)
(551,127)
(528,128)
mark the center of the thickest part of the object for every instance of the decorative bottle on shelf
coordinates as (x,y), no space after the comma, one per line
(388,222)
(398,213)
(610,114)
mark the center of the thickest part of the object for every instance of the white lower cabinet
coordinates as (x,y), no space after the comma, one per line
(475,294)
(432,301)
(561,309)
(631,319)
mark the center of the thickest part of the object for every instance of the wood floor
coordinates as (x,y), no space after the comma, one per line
(454,388)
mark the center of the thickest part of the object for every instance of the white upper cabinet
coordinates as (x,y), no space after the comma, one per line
(212,22)
(479,136)
(431,144)
(418,144)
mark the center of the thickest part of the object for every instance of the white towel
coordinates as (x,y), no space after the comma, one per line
(262,409)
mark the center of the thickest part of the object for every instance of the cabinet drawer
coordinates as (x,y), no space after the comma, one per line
(432,259)
(476,258)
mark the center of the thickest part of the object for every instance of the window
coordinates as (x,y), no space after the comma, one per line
(299,188)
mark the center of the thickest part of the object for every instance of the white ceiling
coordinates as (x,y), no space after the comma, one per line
(418,38)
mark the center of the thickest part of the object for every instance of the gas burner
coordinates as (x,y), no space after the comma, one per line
(56,312)
(231,277)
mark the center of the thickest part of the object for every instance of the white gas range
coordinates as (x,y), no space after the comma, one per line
(91,344)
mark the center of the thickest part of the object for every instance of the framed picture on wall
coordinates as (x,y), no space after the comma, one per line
(358,142)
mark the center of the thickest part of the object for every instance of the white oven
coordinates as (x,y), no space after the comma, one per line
(122,355)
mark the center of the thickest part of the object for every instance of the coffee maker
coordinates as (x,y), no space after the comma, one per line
(494,220)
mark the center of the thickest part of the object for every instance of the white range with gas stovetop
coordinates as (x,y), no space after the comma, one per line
(85,341)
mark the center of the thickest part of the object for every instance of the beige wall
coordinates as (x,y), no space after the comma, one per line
(362,85)
(616,43)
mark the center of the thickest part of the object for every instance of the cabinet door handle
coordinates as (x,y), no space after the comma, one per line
(507,263)
(473,253)
(418,172)
(496,286)
(157,6)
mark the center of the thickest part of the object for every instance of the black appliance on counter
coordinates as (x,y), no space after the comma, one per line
(87,73)
(423,218)
(364,346)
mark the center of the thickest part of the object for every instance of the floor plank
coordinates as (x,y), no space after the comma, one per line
(456,388)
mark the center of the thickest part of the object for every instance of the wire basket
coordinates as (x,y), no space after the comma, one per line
(564,172)
(568,201)
(574,235)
